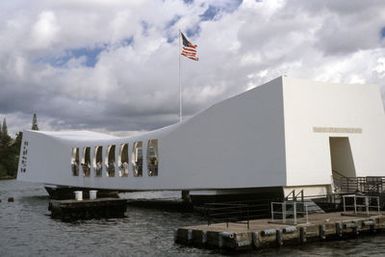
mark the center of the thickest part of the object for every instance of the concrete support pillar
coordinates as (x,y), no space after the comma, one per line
(339,229)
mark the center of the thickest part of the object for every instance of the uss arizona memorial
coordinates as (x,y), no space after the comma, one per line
(283,135)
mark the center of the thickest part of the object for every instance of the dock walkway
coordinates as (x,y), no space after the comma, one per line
(263,233)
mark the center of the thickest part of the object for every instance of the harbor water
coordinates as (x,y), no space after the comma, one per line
(26,229)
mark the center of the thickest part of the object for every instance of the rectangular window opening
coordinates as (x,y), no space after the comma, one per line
(75,161)
(86,161)
(152,157)
(137,159)
(110,161)
(124,160)
(98,164)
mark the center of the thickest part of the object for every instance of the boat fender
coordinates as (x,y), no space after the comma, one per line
(289,229)
(227,234)
(350,224)
(369,222)
(268,232)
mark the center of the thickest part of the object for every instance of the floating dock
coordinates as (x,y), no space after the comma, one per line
(88,209)
(257,234)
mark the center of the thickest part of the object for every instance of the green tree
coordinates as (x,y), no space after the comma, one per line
(4,128)
(8,160)
(17,142)
(13,155)
(34,122)
(3,171)
(5,139)
(9,152)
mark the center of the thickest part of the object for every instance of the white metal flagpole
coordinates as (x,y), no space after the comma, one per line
(180,84)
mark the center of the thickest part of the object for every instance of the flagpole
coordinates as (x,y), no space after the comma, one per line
(180,84)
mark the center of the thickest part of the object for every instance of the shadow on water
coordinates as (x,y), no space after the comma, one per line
(41,198)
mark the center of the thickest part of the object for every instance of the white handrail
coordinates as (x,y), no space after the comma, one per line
(285,212)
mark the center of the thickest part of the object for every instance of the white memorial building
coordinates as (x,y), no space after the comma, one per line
(286,134)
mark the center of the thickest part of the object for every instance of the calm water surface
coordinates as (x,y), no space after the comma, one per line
(26,229)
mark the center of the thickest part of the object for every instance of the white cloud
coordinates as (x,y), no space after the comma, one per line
(133,84)
(380,68)
(44,31)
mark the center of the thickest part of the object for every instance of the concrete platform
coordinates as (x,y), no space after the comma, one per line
(66,193)
(262,233)
(87,209)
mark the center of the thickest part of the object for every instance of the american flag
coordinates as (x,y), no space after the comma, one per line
(189,49)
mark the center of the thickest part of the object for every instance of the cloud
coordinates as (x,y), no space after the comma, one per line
(113,65)
(44,31)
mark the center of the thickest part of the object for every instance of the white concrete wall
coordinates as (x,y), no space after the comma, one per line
(45,159)
(237,143)
(314,104)
(49,161)
(262,138)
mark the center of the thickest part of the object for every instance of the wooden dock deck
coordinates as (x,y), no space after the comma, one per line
(86,209)
(262,233)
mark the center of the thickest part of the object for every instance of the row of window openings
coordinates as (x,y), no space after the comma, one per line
(110,162)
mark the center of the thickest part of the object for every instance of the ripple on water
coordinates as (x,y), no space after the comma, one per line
(27,230)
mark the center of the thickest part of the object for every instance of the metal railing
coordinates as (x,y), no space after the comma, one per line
(360,184)
(235,212)
(295,207)
(361,204)
(289,212)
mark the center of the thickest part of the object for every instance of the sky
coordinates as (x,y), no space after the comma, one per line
(112,65)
